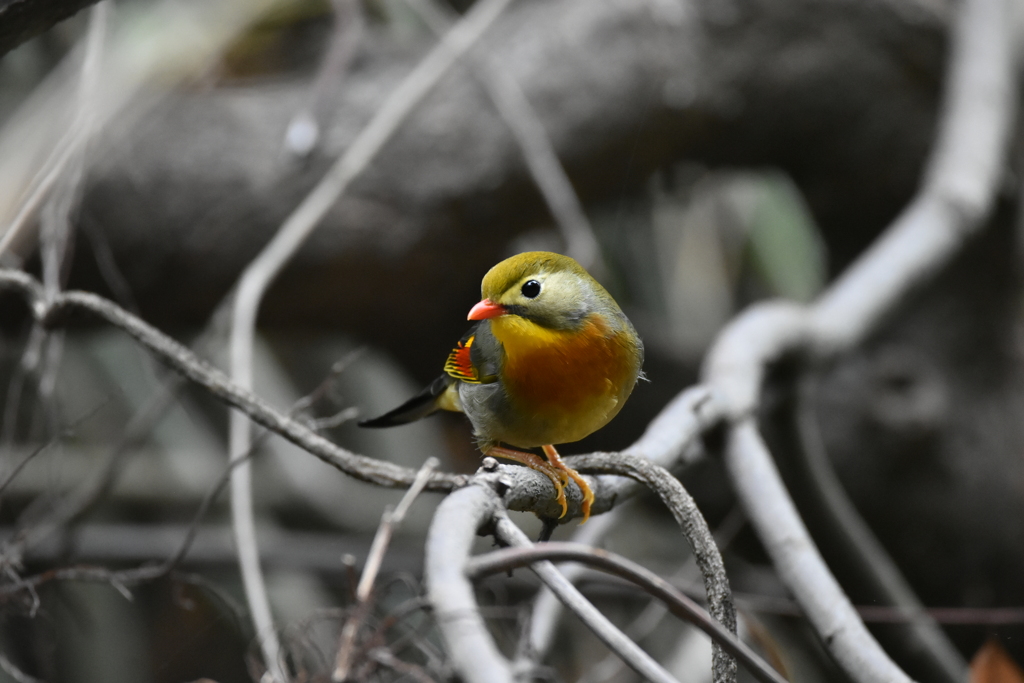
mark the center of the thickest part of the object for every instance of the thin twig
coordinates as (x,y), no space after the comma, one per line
(695,528)
(384,657)
(14,672)
(546,607)
(327,383)
(35,528)
(67,431)
(69,150)
(194,33)
(449,543)
(303,133)
(960,616)
(129,577)
(534,144)
(388,523)
(185,362)
(617,641)
(106,264)
(16,470)
(46,178)
(193,529)
(262,271)
(56,226)
(78,502)
(678,603)
(874,614)
(31,357)
(56,231)
(956,196)
(861,550)
(75,505)
(649,620)
(673,436)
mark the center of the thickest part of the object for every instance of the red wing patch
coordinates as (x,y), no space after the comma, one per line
(459,364)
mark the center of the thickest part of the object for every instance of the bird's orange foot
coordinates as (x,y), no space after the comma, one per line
(559,476)
(588,494)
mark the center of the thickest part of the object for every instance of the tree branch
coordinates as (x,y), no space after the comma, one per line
(391,519)
(619,643)
(673,82)
(863,553)
(263,270)
(456,523)
(673,436)
(546,610)
(678,603)
(959,186)
(200,372)
(695,528)
(533,141)
(956,197)
(24,19)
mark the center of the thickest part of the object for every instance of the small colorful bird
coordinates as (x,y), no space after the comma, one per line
(552,359)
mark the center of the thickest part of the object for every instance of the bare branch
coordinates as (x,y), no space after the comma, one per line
(328,382)
(609,634)
(960,184)
(865,554)
(672,439)
(697,533)
(388,523)
(57,216)
(14,672)
(79,501)
(304,129)
(262,271)
(12,548)
(534,144)
(796,559)
(31,358)
(678,603)
(456,523)
(546,608)
(673,436)
(874,614)
(216,382)
(9,477)
(649,620)
(41,139)
(64,151)
(120,579)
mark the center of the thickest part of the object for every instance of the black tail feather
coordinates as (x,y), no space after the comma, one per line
(417,407)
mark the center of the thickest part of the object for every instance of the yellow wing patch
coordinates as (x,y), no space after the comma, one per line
(459,364)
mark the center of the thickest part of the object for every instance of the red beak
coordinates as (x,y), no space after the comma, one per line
(486,309)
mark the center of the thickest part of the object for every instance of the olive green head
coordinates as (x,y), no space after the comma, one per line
(549,289)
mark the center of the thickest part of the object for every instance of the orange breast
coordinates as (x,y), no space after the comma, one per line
(565,384)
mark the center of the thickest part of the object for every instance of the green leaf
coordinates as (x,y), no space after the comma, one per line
(785,246)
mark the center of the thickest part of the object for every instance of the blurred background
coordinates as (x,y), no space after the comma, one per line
(722,153)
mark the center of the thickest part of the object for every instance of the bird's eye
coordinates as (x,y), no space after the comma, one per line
(531,288)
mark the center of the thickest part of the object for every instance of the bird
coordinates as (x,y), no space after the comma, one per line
(550,359)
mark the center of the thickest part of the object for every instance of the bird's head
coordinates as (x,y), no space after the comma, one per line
(551,290)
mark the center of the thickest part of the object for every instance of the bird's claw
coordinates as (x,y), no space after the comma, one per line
(588,500)
(560,498)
